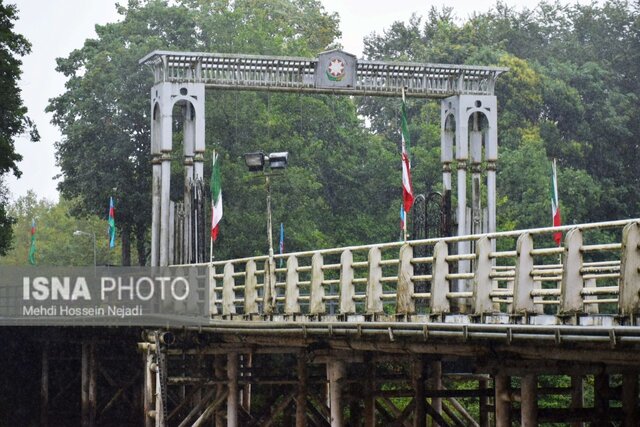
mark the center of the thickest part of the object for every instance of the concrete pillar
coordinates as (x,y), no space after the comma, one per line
(491,197)
(155,212)
(502,402)
(336,371)
(529,401)
(232,398)
(165,189)
(88,384)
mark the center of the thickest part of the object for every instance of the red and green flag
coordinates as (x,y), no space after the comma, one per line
(216,198)
(407,187)
(555,204)
(32,249)
(112,224)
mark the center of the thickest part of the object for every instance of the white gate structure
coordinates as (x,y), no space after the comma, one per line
(468,120)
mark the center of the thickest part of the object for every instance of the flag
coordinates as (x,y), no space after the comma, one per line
(281,243)
(402,217)
(216,198)
(112,224)
(32,249)
(555,206)
(407,187)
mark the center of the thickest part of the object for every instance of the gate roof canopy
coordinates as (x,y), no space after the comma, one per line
(298,74)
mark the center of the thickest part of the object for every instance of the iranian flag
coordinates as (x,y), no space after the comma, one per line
(555,206)
(216,198)
(407,187)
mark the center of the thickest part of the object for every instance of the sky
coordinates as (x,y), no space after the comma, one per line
(56,27)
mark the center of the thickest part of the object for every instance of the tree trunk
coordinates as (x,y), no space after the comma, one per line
(141,246)
(126,247)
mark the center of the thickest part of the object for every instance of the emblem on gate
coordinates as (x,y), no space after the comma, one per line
(336,70)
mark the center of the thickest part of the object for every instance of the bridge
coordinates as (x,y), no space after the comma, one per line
(365,326)
(482,328)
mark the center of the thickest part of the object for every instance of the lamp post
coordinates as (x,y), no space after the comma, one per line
(265,163)
(93,236)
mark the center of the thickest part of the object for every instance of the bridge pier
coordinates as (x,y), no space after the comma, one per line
(336,373)
(529,400)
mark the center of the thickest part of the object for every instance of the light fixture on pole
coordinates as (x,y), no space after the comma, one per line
(93,236)
(261,162)
(265,163)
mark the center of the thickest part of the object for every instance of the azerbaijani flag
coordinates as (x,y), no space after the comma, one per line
(216,198)
(407,187)
(402,217)
(112,224)
(32,249)
(555,204)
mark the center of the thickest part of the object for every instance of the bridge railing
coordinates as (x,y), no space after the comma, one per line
(595,269)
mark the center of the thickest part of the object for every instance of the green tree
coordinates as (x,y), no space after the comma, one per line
(337,168)
(13,114)
(55,243)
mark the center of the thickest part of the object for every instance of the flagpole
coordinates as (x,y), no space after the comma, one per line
(404,225)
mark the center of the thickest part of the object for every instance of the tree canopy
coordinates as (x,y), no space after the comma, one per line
(13,114)
(571,93)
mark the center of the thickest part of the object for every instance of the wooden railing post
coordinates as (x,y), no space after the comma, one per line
(213,297)
(572,281)
(482,278)
(316,301)
(524,283)
(440,283)
(250,288)
(269,295)
(292,291)
(629,299)
(228,293)
(347,290)
(374,285)
(404,303)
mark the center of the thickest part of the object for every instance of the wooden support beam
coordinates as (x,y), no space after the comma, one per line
(370,394)
(529,401)
(336,372)
(630,399)
(148,396)
(232,397)
(419,419)
(483,403)
(435,383)
(601,397)
(44,386)
(301,398)
(577,396)
(209,411)
(502,405)
(218,368)
(93,384)
(84,384)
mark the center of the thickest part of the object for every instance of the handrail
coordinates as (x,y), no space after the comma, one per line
(591,277)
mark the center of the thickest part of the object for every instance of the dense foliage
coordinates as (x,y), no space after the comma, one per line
(13,118)
(571,93)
